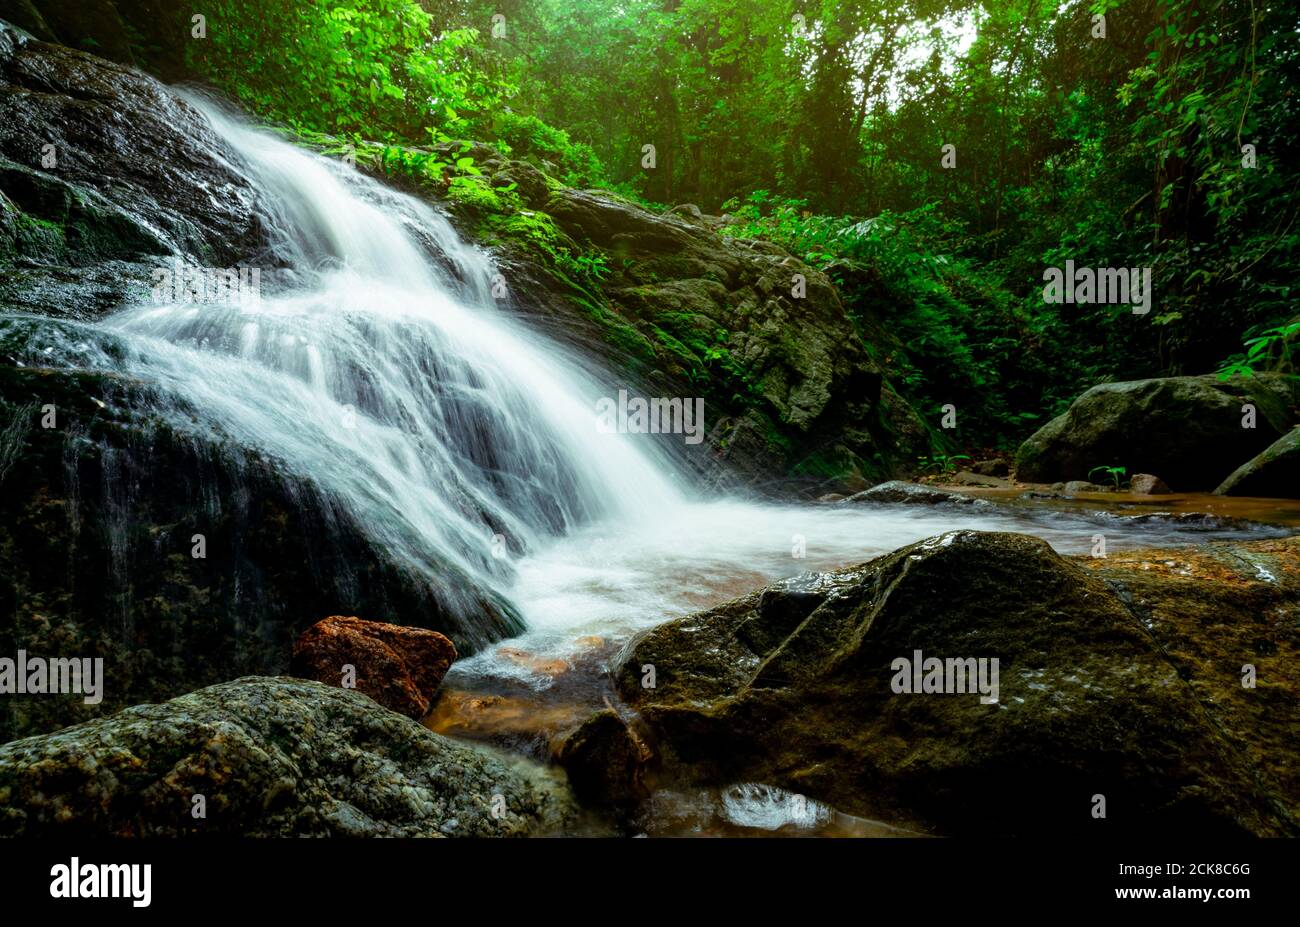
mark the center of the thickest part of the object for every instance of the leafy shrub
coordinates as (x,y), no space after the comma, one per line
(547,147)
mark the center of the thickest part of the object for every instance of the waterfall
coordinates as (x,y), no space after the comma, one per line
(377,365)
(377,372)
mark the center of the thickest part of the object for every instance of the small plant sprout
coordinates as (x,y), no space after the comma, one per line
(1113,472)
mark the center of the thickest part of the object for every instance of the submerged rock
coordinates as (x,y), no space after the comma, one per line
(399,667)
(796,686)
(604,758)
(268,757)
(1074,486)
(897,491)
(1187,429)
(1274,472)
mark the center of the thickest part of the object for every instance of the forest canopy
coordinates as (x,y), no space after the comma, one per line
(934,156)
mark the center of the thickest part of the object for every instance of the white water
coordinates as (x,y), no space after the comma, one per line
(456,437)
(450,433)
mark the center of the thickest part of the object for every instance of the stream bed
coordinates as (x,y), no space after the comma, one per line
(584,596)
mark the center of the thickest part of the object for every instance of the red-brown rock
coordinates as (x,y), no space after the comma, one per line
(399,667)
(1145,484)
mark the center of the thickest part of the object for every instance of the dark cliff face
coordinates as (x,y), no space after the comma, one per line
(149,34)
(181,561)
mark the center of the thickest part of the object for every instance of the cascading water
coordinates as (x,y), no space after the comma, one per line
(377,365)
(390,380)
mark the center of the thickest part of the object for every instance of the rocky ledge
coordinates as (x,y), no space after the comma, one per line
(269,757)
(1162,684)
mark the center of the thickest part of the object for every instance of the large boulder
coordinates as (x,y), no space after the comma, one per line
(268,757)
(399,667)
(1148,484)
(1274,471)
(795,686)
(790,387)
(1187,429)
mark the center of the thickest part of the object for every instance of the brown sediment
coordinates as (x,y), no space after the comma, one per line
(1267,511)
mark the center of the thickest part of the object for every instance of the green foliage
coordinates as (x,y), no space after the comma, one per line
(961,337)
(476,193)
(549,148)
(942,463)
(377,67)
(1271,349)
(1113,472)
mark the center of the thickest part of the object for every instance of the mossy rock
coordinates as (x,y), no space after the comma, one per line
(794,686)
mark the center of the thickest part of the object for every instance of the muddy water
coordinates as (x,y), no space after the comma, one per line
(1268,511)
(586,595)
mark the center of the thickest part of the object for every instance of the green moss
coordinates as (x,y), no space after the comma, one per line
(837,463)
(620,333)
(30,236)
(689,359)
(475,193)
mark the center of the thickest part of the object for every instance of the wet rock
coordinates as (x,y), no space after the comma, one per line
(967,478)
(137,176)
(1145,484)
(270,757)
(991,468)
(399,667)
(1218,612)
(1074,486)
(832,497)
(1187,429)
(897,492)
(534,187)
(1040,494)
(1192,521)
(604,759)
(794,686)
(1274,472)
(688,211)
